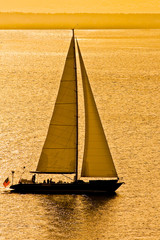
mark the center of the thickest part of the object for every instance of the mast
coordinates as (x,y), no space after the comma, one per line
(75,67)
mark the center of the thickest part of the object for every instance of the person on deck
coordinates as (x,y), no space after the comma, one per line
(34,178)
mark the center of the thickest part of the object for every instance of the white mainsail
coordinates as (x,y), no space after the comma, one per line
(97,160)
(60,147)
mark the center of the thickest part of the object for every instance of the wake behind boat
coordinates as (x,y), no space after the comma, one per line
(60,151)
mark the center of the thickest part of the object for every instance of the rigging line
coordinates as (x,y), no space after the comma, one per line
(67,177)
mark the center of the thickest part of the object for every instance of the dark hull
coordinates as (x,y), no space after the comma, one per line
(93,187)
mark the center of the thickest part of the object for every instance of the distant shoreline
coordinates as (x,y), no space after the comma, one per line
(17,20)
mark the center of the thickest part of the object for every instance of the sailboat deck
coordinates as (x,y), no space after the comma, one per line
(78,187)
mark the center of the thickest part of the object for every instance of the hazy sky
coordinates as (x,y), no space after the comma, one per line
(96,6)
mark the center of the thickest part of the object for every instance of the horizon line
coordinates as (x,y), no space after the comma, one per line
(79,12)
(22,20)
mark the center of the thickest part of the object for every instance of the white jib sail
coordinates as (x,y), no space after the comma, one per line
(97,160)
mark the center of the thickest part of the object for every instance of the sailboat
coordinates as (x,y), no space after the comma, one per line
(60,151)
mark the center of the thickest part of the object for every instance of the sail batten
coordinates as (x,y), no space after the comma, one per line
(97,159)
(59,151)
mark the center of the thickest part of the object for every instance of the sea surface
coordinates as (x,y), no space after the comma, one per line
(124,71)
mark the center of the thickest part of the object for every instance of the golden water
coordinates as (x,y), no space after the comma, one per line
(124,71)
